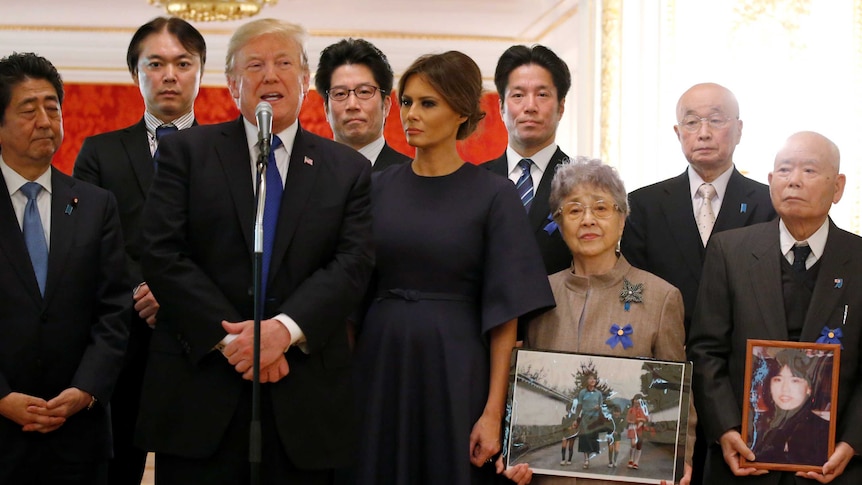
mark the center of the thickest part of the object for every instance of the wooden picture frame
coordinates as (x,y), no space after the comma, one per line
(546,406)
(792,391)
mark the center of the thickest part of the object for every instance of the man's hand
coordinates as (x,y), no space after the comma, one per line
(146,304)
(732,447)
(834,467)
(274,339)
(16,407)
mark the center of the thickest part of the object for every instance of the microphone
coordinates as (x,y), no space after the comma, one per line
(263,115)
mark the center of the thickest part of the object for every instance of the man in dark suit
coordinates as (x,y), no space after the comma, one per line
(64,294)
(166,59)
(532,83)
(662,235)
(790,279)
(356,67)
(198,229)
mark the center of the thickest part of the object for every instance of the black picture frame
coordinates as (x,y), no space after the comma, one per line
(543,409)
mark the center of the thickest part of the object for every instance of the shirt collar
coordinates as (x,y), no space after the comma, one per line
(540,159)
(817,241)
(372,150)
(14,180)
(183,122)
(287,135)
(720,182)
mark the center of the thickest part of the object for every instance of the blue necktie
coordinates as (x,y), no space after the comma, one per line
(274,189)
(160,132)
(525,183)
(34,235)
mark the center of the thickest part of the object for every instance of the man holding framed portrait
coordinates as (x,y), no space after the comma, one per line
(794,279)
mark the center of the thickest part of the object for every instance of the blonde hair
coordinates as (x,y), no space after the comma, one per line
(252,30)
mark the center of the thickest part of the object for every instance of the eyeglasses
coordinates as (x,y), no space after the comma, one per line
(363,91)
(692,123)
(574,211)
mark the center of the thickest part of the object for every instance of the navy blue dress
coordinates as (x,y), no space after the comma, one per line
(455,258)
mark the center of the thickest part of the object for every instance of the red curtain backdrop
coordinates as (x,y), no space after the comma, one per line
(90,109)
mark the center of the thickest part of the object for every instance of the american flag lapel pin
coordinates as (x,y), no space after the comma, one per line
(308,161)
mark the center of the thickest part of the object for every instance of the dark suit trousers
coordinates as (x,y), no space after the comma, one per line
(37,464)
(230,465)
(127,466)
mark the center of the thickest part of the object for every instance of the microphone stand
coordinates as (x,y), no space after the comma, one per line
(255,450)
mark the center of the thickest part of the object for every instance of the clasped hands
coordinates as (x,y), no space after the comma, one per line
(733,447)
(35,414)
(274,339)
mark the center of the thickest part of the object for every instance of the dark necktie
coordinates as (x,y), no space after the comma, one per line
(274,190)
(34,234)
(800,254)
(160,132)
(525,183)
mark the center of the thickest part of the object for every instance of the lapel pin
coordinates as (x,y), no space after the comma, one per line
(71,206)
(743,207)
(839,282)
(308,161)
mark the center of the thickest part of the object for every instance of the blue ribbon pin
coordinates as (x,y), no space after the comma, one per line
(743,207)
(552,224)
(620,336)
(839,282)
(830,336)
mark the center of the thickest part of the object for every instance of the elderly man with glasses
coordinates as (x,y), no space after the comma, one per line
(358,68)
(671,221)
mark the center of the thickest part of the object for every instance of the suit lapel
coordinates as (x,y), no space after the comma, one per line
(304,166)
(677,210)
(499,165)
(737,206)
(765,277)
(136,143)
(63,224)
(232,150)
(827,293)
(540,210)
(13,247)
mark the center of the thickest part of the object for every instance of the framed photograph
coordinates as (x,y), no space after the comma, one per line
(791,388)
(600,417)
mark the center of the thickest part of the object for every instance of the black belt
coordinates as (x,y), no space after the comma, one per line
(414,295)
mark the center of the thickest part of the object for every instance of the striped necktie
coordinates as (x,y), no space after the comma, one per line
(525,183)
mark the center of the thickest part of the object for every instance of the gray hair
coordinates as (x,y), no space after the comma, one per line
(591,171)
(252,30)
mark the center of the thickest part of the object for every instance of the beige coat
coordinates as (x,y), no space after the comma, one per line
(586,309)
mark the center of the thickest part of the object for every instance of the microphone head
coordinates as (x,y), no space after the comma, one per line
(263,107)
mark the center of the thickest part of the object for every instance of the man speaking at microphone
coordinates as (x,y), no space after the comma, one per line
(199,233)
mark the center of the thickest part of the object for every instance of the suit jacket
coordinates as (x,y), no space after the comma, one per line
(198,228)
(740,299)
(555,253)
(76,335)
(388,157)
(661,234)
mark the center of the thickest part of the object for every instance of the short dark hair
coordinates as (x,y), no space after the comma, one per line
(189,37)
(520,55)
(352,51)
(457,79)
(15,68)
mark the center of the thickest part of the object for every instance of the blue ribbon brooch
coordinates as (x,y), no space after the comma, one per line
(830,336)
(552,224)
(631,293)
(620,336)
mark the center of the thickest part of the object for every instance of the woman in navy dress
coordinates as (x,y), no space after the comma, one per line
(457,266)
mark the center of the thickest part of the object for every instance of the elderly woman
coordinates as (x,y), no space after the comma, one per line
(604,305)
(794,433)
